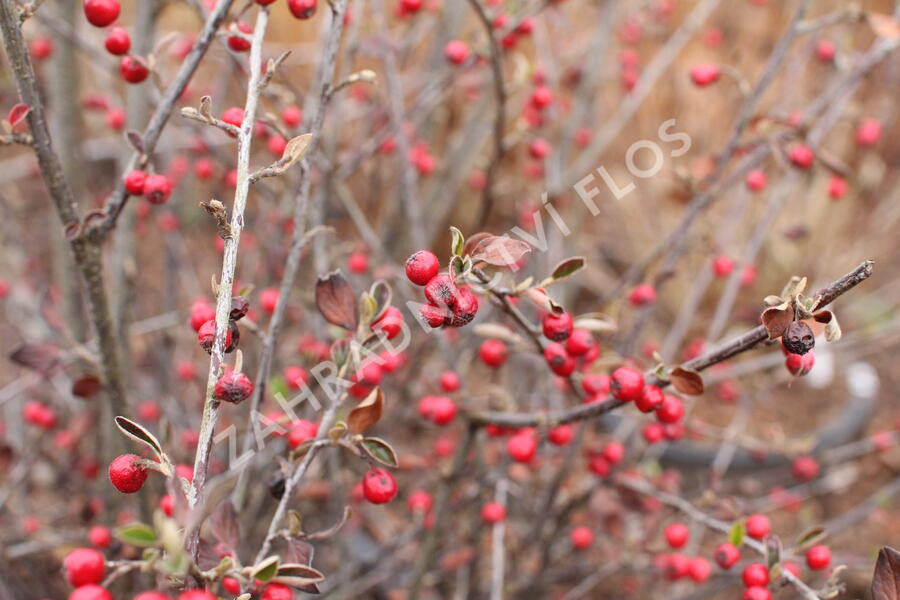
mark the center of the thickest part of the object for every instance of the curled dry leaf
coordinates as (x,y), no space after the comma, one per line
(138,433)
(500,251)
(382,293)
(808,538)
(886,580)
(543,301)
(296,148)
(832,328)
(776,320)
(336,301)
(367,413)
(687,381)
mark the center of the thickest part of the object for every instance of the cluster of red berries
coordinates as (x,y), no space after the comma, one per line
(233,386)
(102,13)
(448,305)
(155,188)
(372,370)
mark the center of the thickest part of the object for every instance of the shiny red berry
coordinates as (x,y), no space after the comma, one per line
(582,538)
(522,447)
(818,558)
(379,486)
(157,188)
(726,555)
(493,353)
(101,13)
(134,182)
(302,9)
(277,591)
(90,592)
(557,327)
(127,474)
(758,526)
(84,566)
(133,69)
(626,384)
(755,575)
(670,411)
(676,535)
(118,42)
(456,52)
(302,431)
(493,512)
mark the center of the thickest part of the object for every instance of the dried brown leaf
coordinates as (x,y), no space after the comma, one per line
(776,320)
(687,381)
(336,301)
(367,413)
(886,581)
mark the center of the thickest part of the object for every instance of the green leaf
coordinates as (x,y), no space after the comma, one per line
(137,534)
(139,434)
(809,538)
(265,570)
(737,533)
(383,294)
(457,241)
(367,308)
(567,267)
(278,386)
(381,451)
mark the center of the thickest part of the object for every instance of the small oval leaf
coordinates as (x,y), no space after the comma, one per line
(381,451)
(500,251)
(137,534)
(567,267)
(737,533)
(687,381)
(336,301)
(138,433)
(265,570)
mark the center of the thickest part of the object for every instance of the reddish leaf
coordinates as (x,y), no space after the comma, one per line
(42,358)
(336,301)
(367,413)
(687,381)
(886,581)
(298,552)
(331,531)
(86,386)
(474,240)
(17,113)
(500,251)
(224,525)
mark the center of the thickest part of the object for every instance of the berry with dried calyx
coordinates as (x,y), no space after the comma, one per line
(233,387)
(798,338)
(302,9)
(465,307)
(726,555)
(206,335)
(557,327)
(127,474)
(441,290)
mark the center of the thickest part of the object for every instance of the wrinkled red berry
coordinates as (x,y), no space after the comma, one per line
(127,474)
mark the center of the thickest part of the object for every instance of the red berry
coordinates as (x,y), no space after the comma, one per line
(157,188)
(268,299)
(84,566)
(465,307)
(234,116)
(292,116)
(231,585)
(651,398)
(435,316)
(201,312)
(801,156)
(358,262)
(642,294)
(677,566)
(582,538)
(755,575)
(449,381)
(422,266)
(90,592)
(818,558)
(443,410)
(159,596)
(653,433)
(118,42)
(456,52)
(233,387)
(626,384)
(703,75)
(756,593)
(277,591)
(541,97)
(837,187)
(379,486)
(390,322)
(539,149)
(670,411)
(206,335)
(800,364)
(134,182)
(561,435)
(676,535)
(826,50)
(557,327)
(559,360)
(420,501)
(596,385)
(521,447)
(599,466)
(101,13)
(196,595)
(580,342)
(493,512)
(726,555)
(167,505)
(302,9)
(756,180)
(276,145)
(41,48)
(868,133)
(614,452)
(127,474)
(441,290)
(723,266)
(493,353)
(758,526)
(133,69)
(99,536)
(699,569)
(302,431)
(238,43)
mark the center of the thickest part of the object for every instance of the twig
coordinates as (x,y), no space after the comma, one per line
(499,147)
(498,548)
(229,265)
(749,340)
